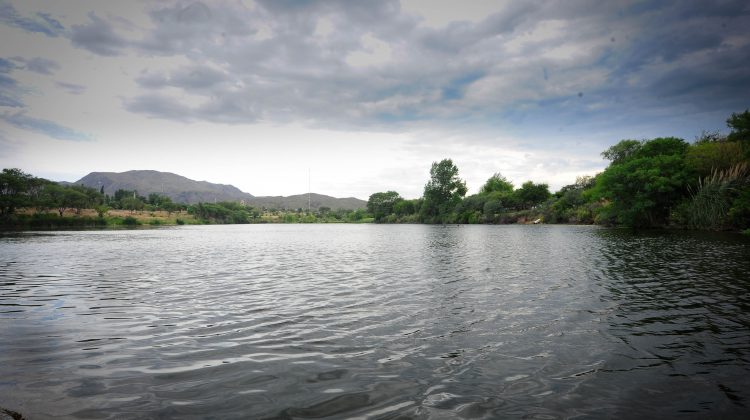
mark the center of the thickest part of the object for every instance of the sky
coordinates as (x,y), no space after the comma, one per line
(348,98)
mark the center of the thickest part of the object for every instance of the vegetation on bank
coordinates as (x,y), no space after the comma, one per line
(28,202)
(661,182)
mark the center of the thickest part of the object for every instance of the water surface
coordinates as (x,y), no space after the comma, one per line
(374,321)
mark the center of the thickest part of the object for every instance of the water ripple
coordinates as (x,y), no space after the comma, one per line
(362,321)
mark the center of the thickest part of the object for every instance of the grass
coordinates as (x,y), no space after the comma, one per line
(711,199)
(37,219)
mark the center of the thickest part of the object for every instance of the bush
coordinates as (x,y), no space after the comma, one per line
(129,221)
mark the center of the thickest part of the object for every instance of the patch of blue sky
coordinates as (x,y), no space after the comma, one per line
(456,88)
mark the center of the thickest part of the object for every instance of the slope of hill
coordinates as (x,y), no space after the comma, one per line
(176,187)
(185,190)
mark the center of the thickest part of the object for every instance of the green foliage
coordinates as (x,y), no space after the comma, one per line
(531,194)
(17,190)
(225,212)
(131,203)
(710,203)
(622,151)
(130,221)
(101,210)
(496,183)
(572,204)
(705,157)
(643,184)
(739,122)
(381,204)
(442,192)
(739,212)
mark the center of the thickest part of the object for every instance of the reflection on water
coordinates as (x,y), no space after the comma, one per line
(374,322)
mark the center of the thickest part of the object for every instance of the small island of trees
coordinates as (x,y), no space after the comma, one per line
(654,183)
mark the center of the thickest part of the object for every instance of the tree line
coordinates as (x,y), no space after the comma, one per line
(660,182)
(40,199)
(20,190)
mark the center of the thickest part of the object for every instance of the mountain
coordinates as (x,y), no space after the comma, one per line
(185,190)
(176,187)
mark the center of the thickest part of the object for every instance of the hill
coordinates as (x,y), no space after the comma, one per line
(176,187)
(184,190)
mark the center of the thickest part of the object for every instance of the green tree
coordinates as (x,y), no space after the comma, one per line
(405,207)
(101,210)
(644,184)
(496,183)
(442,192)
(131,203)
(739,122)
(531,194)
(622,151)
(381,204)
(706,157)
(18,190)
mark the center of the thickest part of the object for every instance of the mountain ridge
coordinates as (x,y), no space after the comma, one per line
(185,190)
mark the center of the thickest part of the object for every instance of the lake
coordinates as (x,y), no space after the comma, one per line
(375,321)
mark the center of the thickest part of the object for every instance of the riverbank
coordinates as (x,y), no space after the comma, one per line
(89,218)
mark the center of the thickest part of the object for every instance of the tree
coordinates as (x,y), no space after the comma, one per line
(622,151)
(496,183)
(131,203)
(643,185)
(442,192)
(16,190)
(381,204)
(405,207)
(101,210)
(739,122)
(531,194)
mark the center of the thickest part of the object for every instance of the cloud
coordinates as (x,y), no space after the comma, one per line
(194,77)
(40,23)
(159,106)
(39,65)
(71,88)
(10,90)
(46,127)
(97,36)
(533,67)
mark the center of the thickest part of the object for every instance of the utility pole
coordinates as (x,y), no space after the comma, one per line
(308,190)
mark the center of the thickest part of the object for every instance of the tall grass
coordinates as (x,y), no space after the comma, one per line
(711,199)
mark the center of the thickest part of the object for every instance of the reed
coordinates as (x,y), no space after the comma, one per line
(711,199)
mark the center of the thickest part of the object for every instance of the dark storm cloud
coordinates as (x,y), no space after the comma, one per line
(360,63)
(97,36)
(40,23)
(42,126)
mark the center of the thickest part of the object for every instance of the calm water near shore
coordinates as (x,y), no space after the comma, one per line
(375,321)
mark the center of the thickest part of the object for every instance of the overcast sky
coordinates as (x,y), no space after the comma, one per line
(361,95)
